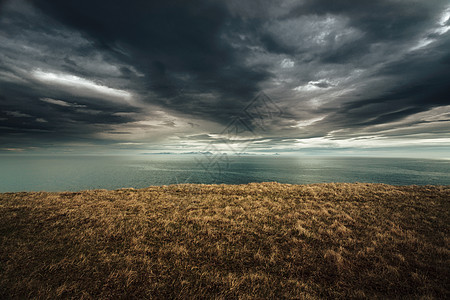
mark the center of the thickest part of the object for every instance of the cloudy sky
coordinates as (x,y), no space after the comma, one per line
(258,76)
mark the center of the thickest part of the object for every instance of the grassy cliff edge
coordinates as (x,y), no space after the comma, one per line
(260,240)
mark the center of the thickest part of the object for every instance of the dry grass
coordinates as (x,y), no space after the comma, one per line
(252,241)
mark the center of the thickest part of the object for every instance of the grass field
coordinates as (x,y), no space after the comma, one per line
(254,241)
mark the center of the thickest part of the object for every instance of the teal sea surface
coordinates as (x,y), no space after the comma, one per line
(74,173)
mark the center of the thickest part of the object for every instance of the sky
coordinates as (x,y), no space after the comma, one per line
(310,77)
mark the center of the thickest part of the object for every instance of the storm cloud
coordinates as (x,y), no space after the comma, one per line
(170,76)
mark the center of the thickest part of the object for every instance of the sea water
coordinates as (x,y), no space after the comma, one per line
(74,173)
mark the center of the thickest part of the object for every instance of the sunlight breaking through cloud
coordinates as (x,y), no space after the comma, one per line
(81,86)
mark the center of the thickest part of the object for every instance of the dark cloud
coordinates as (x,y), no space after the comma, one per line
(380,20)
(178,45)
(385,21)
(421,83)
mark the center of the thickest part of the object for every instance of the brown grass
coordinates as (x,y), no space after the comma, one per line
(252,241)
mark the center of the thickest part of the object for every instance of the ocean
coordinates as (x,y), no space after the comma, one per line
(74,173)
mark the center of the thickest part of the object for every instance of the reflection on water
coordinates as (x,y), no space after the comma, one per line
(89,172)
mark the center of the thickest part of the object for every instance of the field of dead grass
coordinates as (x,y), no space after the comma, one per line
(254,241)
